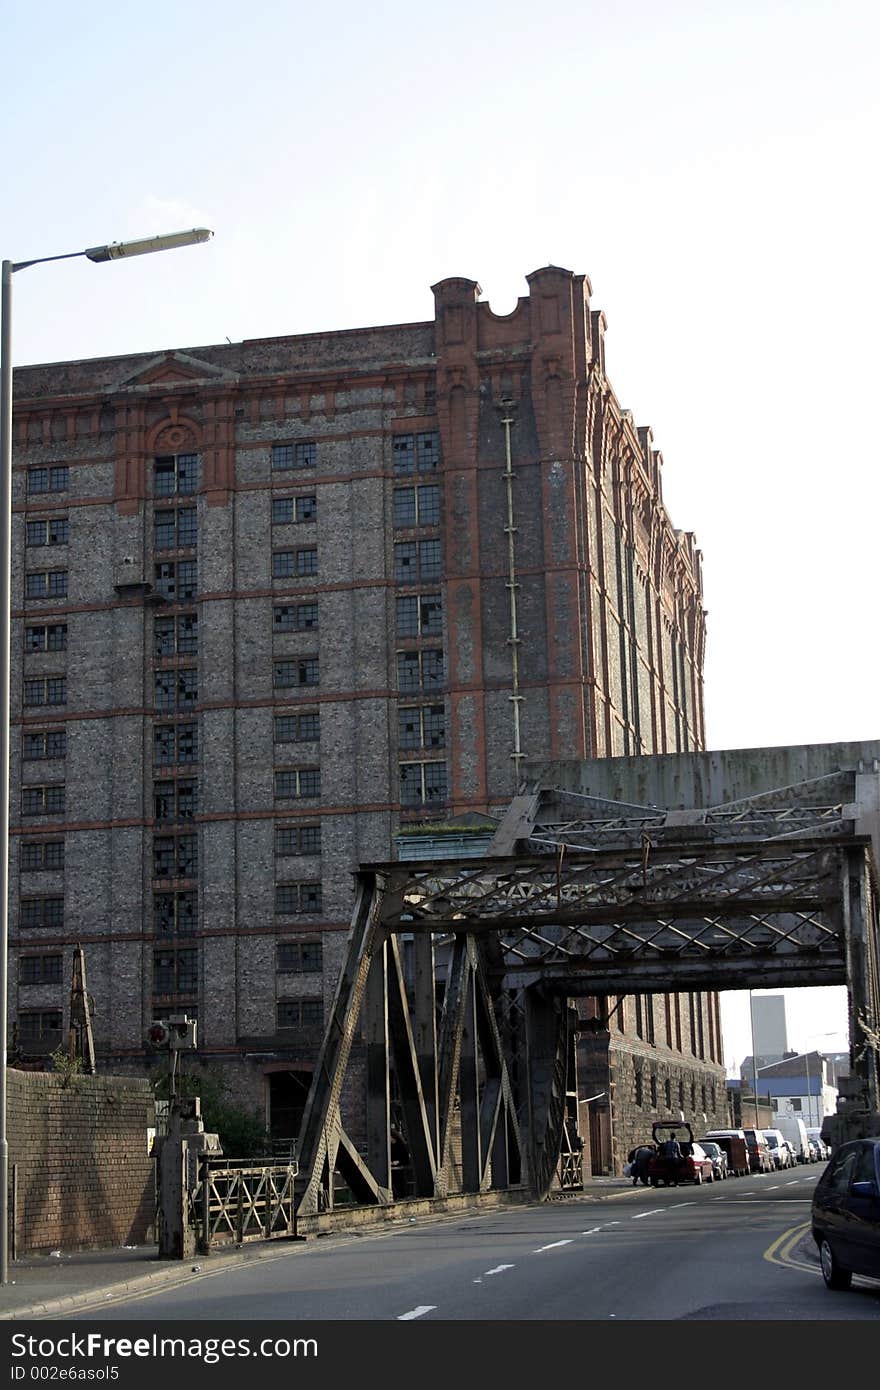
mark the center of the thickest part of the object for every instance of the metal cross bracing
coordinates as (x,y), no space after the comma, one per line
(458,972)
(586,924)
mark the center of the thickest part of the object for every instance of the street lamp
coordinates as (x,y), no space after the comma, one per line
(117,250)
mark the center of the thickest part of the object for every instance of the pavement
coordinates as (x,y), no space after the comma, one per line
(55,1285)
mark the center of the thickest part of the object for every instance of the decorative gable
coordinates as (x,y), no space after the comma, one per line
(172,369)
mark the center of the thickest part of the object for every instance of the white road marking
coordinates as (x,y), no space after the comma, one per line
(592,1232)
(680,1204)
(647,1213)
(552,1246)
(793,1183)
(417,1312)
(499,1269)
(774,1188)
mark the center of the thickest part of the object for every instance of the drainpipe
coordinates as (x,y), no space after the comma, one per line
(512,586)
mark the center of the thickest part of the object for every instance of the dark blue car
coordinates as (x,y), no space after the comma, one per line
(846,1213)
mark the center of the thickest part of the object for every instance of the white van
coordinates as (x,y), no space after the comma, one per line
(778,1150)
(795,1131)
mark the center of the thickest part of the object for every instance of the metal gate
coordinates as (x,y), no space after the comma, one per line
(235,1203)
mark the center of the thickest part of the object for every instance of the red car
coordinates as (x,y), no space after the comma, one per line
(678,1158)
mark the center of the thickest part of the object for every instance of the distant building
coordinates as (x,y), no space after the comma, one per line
(802,1084)
(769,1033)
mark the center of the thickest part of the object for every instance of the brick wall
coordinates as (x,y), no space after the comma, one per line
(84,1179)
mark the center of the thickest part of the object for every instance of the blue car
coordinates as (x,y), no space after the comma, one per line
(846,1213)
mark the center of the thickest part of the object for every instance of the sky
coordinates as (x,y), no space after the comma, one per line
(711,167)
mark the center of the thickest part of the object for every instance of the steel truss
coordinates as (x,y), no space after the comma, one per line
(582,896)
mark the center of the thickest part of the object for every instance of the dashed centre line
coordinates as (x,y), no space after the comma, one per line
(417,1312)
(552,1246)
(499,1269)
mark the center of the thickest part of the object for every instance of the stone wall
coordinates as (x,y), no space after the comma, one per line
(83,1177)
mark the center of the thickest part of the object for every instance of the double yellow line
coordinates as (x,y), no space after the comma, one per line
(779,1253)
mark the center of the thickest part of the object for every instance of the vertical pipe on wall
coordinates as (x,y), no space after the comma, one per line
(512,586)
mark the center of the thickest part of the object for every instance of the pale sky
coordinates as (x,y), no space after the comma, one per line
(711,167)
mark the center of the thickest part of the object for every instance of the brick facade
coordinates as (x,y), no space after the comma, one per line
(279,597)
(79,1162)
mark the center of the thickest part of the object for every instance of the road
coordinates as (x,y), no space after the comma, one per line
(733,1250)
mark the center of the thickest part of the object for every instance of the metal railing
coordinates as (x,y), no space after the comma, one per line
(235,1203)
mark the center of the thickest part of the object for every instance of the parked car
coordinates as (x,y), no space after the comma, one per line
(814,1151)
(846,1213)
(778,1148)
(678,1158)
(792,1156)
(733,1142)
(759,1151)
(716,1156)
(815,1134)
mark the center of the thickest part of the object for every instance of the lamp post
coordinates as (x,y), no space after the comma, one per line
(115,251)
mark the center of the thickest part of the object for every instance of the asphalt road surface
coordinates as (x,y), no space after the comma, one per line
(734,1250)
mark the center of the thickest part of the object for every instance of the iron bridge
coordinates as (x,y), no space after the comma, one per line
(455,988)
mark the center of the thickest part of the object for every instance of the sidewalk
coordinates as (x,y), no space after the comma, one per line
(54,1286)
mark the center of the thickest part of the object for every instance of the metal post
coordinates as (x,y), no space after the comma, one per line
(754,1061)
(809,1092)
(5,569)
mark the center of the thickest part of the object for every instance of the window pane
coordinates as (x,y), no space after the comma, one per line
(404,506)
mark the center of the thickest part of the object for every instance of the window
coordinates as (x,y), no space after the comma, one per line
(52,743)
(55,478)
(175,474)
(54,531)
(175,856)
(415,561)
(177,688)
(297,897)
(45,690)
(175,743)
(300,1013)
(176,972)
(298,839)
(417,506)
(40,1029)
(296,782)
(175,914)
(420,616)
(46,584)
(43,801)
(177,580)
(297,728)
(299,956)
(302,455)
(42,912)
(289,563)
(175,530)
(416,452)
(295,617)
(175,800)
(667,1094)
(40,970)
(422,783)
(50,637)
(421,726)
(420,670)
(841,1171)
(175,636)
(639,1089)
(293,509)
(41,854)
(296,671)
(653,1081)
